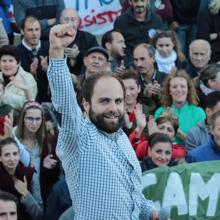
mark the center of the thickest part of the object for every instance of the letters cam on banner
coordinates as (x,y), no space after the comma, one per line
(97,16)
(188,191)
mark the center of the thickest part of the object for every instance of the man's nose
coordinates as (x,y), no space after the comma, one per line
(112,106)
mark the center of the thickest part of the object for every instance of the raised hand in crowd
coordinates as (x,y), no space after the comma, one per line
(156,88)
(60,37)
(73,52)
(152,89)
(120,69)
(44,63)
(8,125)
(127,123)
(49,162)
(21,83)
(140,119)
(152,125)
(33,66)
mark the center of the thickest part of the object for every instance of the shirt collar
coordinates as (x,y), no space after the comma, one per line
(143,79)
(29,48)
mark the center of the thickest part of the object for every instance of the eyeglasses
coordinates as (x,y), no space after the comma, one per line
(32,119)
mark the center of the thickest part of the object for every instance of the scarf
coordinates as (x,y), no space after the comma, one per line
(165,64)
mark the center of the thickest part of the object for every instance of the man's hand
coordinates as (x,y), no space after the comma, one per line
(49,162)
(43,63)
(33,66)
(73,52)
(156,88)
(61,36)
(120,69)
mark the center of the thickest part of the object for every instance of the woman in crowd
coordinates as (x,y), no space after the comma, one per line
(37,146)
(132,104)
(18,180)
(180,96)
(168,52)
(20,86)
(159,152)
(167,124)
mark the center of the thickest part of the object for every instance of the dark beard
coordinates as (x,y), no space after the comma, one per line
(99,121)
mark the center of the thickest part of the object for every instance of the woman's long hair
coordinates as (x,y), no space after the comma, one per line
(41,133)
(172,35)
(166,99)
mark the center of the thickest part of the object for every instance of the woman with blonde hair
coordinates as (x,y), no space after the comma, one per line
(179,94)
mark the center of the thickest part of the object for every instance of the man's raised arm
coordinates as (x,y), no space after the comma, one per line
(63,95)
(60,37)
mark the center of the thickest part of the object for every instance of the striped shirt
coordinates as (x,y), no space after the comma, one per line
(102,171)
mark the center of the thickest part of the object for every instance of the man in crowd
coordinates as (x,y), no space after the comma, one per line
(96,154)
(114,42)
(34,55)
(149,76)
(77,49)
(95,60)
(210,150)
(47,11)
(200,134)
(200,55)
(138,24)
(8,206)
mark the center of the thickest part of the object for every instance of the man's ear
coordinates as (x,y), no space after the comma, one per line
(86,106)
(22,32)
(108,45)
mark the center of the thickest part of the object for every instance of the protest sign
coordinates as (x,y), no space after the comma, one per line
(188,191)
(97,16)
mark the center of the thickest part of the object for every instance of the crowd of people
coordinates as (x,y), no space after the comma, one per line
(81,120)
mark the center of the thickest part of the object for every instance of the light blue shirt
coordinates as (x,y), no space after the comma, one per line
(102,171)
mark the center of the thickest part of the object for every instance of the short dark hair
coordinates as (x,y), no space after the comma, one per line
(90,82)
(212,99)
(32,18)
(6,141)
(107,37)
(10,50)
(6,196)
(158,138)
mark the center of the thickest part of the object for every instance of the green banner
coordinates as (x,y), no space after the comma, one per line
(187,191)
